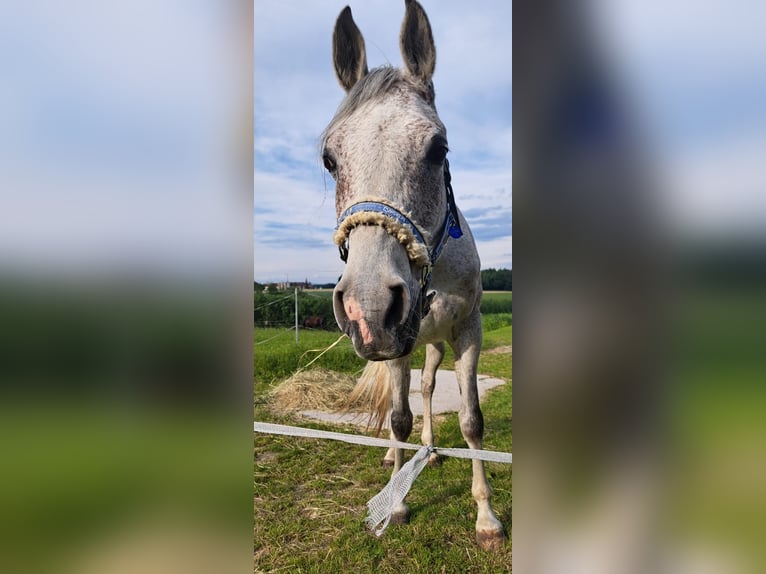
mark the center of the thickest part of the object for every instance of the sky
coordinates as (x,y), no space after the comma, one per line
(695,72)
(116,123)
(296,95)
(115,127)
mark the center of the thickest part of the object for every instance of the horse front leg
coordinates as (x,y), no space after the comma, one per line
(401,421)
(490,534)
(434,356)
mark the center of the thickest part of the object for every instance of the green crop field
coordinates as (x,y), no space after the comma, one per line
(310,495)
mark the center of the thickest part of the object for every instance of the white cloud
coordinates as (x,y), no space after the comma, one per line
(293,224)
(719,189)
(695,72)
(497,253)
(117,135)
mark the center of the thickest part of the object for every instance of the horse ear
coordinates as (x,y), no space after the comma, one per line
(417,43)
(348,51)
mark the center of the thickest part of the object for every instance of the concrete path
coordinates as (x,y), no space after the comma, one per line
(446,398)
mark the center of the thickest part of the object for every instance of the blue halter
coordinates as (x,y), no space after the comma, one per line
(450,228)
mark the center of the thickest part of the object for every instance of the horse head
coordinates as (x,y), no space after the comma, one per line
(386,149)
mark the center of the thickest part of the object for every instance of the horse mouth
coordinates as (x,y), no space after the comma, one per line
(386,344)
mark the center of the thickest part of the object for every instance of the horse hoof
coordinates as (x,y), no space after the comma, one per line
(491,540)
(387,463)
(434,460)
(402,517)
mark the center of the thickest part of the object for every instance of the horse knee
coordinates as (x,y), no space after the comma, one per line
(401,424)
(472,425)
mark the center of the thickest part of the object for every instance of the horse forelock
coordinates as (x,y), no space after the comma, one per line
(377,83)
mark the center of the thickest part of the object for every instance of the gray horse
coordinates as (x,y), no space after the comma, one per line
(412,273)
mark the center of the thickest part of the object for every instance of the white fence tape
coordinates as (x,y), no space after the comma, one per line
(382,505)
(488,455)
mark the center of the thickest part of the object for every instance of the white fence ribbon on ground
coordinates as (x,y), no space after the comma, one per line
(488,455)
(382,505)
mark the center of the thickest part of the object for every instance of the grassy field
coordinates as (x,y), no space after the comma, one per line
(718,406)
(310,496)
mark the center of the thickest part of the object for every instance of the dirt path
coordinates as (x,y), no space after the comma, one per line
(446,397)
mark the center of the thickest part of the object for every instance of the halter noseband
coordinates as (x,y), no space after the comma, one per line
(405,230)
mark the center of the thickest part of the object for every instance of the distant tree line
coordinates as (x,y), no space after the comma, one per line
(491,280)
(275,288)
(496,279)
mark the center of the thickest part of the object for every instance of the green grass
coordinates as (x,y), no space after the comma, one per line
(310,495)
(277,356)
(497,302)
(98,468)
(718,406)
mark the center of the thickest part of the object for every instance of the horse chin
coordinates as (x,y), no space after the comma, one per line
(371,354)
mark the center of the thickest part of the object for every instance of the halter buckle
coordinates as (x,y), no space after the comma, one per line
(427,299)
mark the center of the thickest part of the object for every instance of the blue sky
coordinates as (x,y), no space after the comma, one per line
(296,95)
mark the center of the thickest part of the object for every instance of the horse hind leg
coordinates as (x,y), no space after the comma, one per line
(388,459)
(434,356)
(490,534)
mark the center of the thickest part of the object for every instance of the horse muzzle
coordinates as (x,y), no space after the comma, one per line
(381,321)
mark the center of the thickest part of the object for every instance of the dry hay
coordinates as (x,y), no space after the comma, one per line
(317,389)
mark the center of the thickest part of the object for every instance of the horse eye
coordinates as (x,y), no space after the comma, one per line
(329,162)
(437,153)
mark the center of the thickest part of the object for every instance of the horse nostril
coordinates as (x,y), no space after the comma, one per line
(339,309)
(397,311)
